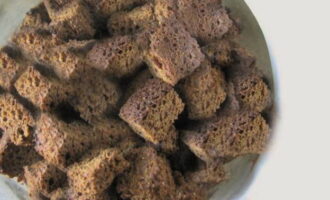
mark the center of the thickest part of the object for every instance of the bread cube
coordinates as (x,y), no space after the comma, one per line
(112,130)
(95,95)
(10,69)
(95,173)
(203,91)
(43,177)
(119,56)
(205,20)
(251,90)
(33,42)
(149,177)
(64,62)
(44,92)
(173,53)
(61,144)
(13,158)
(152,110)
(73,21)
(229,135)
(16,120)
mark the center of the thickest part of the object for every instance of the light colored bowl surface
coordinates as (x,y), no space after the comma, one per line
(242,170)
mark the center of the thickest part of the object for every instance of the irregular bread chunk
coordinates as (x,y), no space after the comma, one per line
(173,53)
(203,91)
(152,110)
(97,170)
(149,177)
(43,177)
(231,135)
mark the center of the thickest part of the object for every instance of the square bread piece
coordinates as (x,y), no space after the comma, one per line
(33,42)
(94,95)
(112,130)
(96,172)
(44,92)
(13,158)
(152,110)
(249,85)
(231,135)
(43,177)
(119,56)
(10,68)
(61,144)
(64,61)
(16,120)
(203,91)
(149,177)
(73,21)
(173,53)
(206,20)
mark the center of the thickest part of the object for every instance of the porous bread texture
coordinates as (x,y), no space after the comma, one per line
(73,21)
(16,120)
(205,20)
(62,144)
(128,22)
(203,91)
(13,158)
(231,135)
(33,41)
(94,95)
(152,110)
(36,18)
(97,170)
(10,69)
(251,90)
(119,56)
(63,61)
(112,130)
(138,81)
(43,177)
(150,177)
(173,53)
(44,92)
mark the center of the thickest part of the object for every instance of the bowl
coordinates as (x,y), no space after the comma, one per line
(242,170)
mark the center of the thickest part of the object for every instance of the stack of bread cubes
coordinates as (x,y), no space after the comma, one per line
(128,100)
